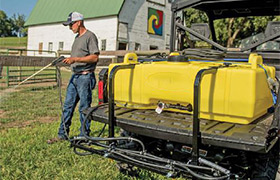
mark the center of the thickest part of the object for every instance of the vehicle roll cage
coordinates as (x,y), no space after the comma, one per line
(218,9)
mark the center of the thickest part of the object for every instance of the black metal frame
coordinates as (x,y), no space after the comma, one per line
(196,139)
(120,159)
(209,7)
(173,31)
(147,162)
(196,128)
(230,8)
(111,112)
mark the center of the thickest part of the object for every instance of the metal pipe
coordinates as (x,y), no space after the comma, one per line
(192,32)
(196,139)
(255,45)
(113,72)
(212,28)
(53,63)
(33,75)
(213,165)
(173,32)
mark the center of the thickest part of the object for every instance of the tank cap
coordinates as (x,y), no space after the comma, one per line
(178,58)
(227,64)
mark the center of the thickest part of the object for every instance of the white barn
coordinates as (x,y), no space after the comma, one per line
(118,24)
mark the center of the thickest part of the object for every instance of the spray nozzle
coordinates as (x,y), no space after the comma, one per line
(57,60)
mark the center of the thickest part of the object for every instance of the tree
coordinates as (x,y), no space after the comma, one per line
(5,25)
(230,31)
(194,16)
(18,24)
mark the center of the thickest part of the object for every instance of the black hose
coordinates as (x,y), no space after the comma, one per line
(205,54)
(185,167)
(90,150)
(163,160)
(59,84)
(148,157)
(80,153)
(196,167)
(201,176)
(141,162)
(106,139)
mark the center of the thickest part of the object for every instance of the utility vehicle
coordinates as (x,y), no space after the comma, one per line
(196,113)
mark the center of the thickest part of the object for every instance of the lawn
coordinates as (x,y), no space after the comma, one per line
(30,116)
(13,42)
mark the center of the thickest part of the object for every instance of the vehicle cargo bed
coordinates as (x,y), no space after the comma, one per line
(177,127)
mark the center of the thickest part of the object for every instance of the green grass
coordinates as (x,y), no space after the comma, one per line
(24,153)
(33,102)
(31,105)
(13,41)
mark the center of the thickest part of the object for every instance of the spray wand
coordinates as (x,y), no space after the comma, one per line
(53,63)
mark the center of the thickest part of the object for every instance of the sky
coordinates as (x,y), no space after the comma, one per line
(11,7)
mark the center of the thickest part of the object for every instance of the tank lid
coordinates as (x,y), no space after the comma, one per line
(178,58)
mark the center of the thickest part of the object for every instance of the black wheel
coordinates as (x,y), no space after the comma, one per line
(266,165)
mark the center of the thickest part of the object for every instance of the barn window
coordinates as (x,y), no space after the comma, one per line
(152,47)
(122,46)
(137,47)
(60,46)
(50,47)
(103,45)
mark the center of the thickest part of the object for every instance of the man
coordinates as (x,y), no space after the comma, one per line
(84,56)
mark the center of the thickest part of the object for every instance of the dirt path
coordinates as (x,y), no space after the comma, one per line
(21,124)
(2,113)
(5,93)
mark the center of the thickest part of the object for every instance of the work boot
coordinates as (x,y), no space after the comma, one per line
(56,139)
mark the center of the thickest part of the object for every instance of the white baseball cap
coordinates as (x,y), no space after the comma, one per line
(72,17)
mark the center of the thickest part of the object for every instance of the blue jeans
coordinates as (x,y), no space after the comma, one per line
(79,89)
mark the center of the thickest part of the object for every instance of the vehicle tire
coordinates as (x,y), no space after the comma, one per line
(266,165)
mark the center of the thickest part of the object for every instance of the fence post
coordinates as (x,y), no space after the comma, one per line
(7,81)
(20,68)
(7,71)
(34,71)
(114,59)
(57,54)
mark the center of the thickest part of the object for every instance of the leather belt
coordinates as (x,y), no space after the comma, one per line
(85,72)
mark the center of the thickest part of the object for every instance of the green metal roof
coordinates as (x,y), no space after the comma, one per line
(54,11)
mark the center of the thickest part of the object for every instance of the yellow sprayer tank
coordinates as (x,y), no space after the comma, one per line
(238,93)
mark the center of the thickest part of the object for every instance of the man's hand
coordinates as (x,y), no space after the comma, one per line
(69,60)
(87,59)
